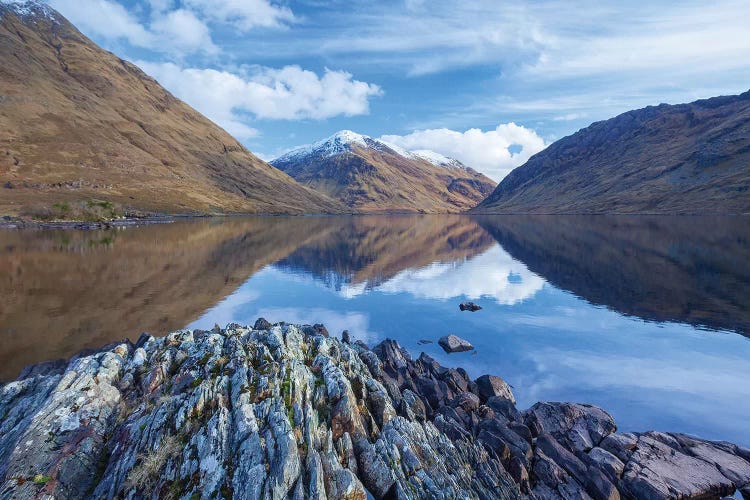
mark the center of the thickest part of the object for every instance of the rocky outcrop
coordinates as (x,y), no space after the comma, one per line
(469,306)
(287,412)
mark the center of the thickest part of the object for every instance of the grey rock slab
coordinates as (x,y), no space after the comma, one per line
(579,427)
(655,470)
(453,343)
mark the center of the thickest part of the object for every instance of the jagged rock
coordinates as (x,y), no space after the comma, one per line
(345,337)
(609,464)
(505,407)
(620,445)
(261,324)
(452,343)
(286,412)
(469,306)
(578,427)
(466,400)
(491,386)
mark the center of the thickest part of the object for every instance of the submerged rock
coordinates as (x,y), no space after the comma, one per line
(469,306)
(287,412)
(453,343)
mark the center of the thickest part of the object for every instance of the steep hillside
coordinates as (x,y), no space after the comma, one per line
(682,159)
(78,123)
(374,176)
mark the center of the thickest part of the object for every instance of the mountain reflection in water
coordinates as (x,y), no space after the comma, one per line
(64,291)
(605,310)
(693,270)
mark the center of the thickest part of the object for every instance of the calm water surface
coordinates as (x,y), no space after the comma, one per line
(648,317)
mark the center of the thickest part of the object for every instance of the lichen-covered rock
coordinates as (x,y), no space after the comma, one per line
(286,412)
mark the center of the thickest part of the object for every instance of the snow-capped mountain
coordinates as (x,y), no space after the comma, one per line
(345,140)
(373,175)
(29,8)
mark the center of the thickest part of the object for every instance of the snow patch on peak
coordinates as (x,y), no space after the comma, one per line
(437,159)
(343,140)
(346,137)
(398,149)
(29,8)
(340,142)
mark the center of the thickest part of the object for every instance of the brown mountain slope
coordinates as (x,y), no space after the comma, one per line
(373,176)
(79,123)
(683,159)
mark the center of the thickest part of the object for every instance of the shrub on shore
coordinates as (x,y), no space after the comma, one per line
(88,210)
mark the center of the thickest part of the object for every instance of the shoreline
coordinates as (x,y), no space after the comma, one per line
(12,222)
(285,410)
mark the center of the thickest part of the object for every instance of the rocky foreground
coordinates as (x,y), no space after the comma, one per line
(285,411)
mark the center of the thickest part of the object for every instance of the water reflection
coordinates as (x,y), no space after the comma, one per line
(693,270)
(428,257)
(360,253)
(63,291)
(402,277)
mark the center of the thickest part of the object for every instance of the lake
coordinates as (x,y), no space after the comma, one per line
(647,317)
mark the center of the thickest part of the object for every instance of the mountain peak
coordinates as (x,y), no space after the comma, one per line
(28,9)
(347,137)
(343,141)
(373,175)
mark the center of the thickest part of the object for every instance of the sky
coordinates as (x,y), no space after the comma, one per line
(487,82)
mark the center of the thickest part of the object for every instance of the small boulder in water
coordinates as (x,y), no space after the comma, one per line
(469,306)
(453,343)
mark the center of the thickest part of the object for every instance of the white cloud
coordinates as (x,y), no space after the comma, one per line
(492,275)
(568,117)
(289,93)
(243,14)
(105,18)
(177,32)
(490,152)
(184,31)
(160,5)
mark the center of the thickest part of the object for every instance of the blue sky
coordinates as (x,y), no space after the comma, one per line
(468,79)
